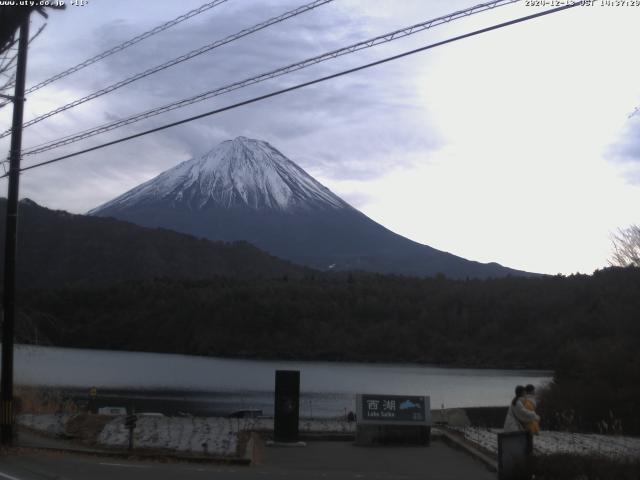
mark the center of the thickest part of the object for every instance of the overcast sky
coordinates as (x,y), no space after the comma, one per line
(514,146)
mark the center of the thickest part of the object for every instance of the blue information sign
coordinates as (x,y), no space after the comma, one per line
(394,409)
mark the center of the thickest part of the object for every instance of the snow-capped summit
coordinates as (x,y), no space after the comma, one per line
(237,173)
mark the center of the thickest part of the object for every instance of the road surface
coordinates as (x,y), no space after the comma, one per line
(316,461)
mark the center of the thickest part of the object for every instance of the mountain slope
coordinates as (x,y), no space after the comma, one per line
(247,190)
(56,248)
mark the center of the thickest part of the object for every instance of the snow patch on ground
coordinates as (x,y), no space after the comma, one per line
(216,436)
(50,423)
(194,435)
(547,442)
(209,436)
(219,436)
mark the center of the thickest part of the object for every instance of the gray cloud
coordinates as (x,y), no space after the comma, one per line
(628,146)
(355,127)
(626,150)
(634,176)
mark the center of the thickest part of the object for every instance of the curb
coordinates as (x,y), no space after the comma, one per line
(137,455)
(327,437)
(271,443)
(458,442)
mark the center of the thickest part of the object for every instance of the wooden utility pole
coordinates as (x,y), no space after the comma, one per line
(9,293)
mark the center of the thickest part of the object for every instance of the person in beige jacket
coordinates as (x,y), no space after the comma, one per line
(518,416)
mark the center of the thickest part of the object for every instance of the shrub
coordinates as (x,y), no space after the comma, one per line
(594,389)
(30,399)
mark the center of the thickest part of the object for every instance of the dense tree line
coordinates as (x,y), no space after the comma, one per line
(586,328)
(511,322)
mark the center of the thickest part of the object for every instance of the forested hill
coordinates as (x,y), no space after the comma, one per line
(511,322)
(58,248)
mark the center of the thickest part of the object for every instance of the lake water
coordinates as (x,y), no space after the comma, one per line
(222,385)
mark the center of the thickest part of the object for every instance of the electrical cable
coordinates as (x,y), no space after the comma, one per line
(128,43)
(385,38)
(305,84)
(175,61)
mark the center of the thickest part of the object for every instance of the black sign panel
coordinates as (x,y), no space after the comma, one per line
(514,449)
(394,408)
(286,406)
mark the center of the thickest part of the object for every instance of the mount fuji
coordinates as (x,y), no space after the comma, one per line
(246,189)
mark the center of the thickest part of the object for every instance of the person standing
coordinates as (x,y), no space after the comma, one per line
(531,404)
(518,416)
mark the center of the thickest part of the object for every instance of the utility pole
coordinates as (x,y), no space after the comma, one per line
(9,297)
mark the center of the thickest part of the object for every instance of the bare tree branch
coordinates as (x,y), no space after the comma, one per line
(35,35)
(626,247)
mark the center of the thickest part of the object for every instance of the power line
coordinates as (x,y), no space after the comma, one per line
(176,61)
(385,38)
(124,45)
(305,84)
(127,44)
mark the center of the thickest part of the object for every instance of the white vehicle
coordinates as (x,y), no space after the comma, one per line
(112,411)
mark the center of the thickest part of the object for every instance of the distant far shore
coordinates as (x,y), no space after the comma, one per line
(346,359)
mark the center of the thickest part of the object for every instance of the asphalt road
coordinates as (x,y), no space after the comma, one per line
(318,460)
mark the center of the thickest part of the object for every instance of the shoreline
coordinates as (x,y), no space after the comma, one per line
(544,370)
(192,403)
